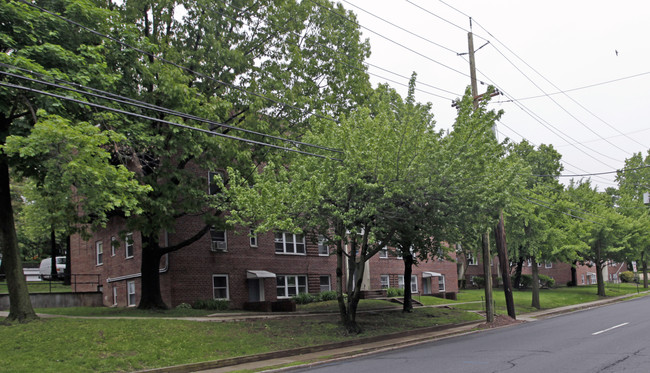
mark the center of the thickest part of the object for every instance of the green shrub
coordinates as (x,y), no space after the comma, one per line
(526,281)
(479,281)
(627,276)
(328,295)
(211,304)
(305,298)
(546,281)
(394,292)
(184,306)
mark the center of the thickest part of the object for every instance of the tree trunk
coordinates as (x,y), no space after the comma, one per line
(517,279)
(150,295)
(599,271)
(67,279)
(461,269)
(350,323)
(408,270)
(574,274)
(502,250)
(644,269)
(20,306)
(487,272)
(53,273)
(343,313)
(535,284)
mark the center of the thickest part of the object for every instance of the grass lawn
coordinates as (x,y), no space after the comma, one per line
(549,298)
(116,345)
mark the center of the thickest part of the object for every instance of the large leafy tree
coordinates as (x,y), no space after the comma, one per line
(265,66)
(602,233)
(536,221)
(37,45)
(633,181)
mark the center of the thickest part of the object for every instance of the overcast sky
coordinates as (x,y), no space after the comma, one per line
(556,45)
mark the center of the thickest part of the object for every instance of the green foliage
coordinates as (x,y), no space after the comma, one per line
(526,281)
(546,281)
(479,281)
(627,276)
(394,292)
(305,298)
(211,304)
(327,295)
(184,306)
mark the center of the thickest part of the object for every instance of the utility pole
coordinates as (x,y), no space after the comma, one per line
(500,228)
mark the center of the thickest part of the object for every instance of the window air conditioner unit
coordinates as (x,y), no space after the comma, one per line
(218,246)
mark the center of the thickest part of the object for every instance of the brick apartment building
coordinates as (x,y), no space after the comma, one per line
(560,272)
(237,267)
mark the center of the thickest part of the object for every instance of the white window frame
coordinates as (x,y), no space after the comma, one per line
(113,242)
(327,287)
(400,281)
(281,243)
(548,264)
(129,246)
(252,238)
(130,292)
(471,259)
(414,284)
(217,243)
(384,280)
(441,284)
(383,253)
(283,282)
(323,248)
(99,253)
(114,295)
(227,287)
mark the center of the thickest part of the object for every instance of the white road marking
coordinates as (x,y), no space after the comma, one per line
(608,329)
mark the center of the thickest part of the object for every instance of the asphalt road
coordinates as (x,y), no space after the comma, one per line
(613,338)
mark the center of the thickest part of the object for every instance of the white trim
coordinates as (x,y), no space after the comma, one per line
(381,282)
(127,238)
(252,274)
(99,252)
(122,278)
(431,274)
(441,281)
(128,293)
(113,240)
(294,242)
(227,286)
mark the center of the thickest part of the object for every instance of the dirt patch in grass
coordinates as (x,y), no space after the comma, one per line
(499,321)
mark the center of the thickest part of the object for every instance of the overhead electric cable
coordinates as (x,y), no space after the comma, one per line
(188,70)
(391,40)
(108,108)
(148,106)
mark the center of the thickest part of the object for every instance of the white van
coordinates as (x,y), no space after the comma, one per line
(45,269)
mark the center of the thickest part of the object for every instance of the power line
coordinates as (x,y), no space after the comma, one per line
(391,40)
(579,88)
(145,105)
(188,70)
(402,28)
(140,116)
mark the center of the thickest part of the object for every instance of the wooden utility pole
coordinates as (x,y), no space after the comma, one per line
(500,228)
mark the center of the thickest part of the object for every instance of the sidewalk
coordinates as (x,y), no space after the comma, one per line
(310,356)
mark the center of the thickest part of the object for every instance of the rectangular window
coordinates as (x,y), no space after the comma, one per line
(323,249)
(325,284)
(385,281)
(113,245)
(129,245)
(400,282)
(441,283)
(114,295)
(288,243)
(548,265)
(290,285)
(130,287)
(213,186)
(471,260)
(219,241)
(383,253)
(414,284)
(99,246)
(220,287)
(253,238)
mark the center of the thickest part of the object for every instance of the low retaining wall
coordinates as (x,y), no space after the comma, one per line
(52,300)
